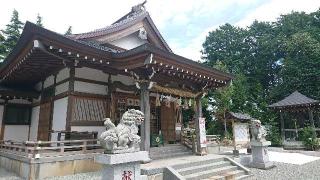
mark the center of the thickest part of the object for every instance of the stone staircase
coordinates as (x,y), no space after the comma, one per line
(218,169)
(169,151)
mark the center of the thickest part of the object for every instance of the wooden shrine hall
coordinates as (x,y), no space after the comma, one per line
(54,83)
(296,112)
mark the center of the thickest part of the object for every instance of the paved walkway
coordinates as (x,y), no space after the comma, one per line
(178,160)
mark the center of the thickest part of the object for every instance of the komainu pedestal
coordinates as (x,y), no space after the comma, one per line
(122,166)
(259,146)
(260,155)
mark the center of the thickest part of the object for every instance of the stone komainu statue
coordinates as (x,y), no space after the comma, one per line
(258,131)
(122,138)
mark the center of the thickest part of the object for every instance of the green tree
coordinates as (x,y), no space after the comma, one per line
(39,20)
(270,60)
(12,32)
(69,31)
(2,48)
(301,66)
(226,44)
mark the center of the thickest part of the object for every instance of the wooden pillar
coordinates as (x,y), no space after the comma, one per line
(70,98)
(111,98)
(282,126)
(312,121)
(3,120)
(198,114)
(145,108)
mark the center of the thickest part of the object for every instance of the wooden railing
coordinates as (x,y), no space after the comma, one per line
(189,140)
(40,149)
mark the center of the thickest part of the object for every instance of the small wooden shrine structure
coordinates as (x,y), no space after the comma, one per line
(296,111)
(240,129)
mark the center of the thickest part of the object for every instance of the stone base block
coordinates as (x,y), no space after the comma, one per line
(122,166)
(265,165)
(260,155)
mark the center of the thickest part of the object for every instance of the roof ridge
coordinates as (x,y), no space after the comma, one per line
(136,12)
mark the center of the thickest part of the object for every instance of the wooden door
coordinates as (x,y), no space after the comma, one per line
(168,122)
(44,125)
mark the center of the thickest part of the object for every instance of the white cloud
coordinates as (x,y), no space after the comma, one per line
(273,9)
(192,50)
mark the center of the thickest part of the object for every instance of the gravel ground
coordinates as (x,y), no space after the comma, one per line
(282,171)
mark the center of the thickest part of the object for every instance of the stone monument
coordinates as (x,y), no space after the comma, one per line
(259,146)
(122,155)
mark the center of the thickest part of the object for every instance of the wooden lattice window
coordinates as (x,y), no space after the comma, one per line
(90,109)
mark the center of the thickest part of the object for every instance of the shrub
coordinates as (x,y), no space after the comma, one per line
(273,135)
(309,139)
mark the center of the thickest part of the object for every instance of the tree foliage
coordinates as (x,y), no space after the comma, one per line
(270,60)
(12,33)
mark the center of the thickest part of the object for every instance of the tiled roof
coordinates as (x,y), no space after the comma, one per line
(294,99)
(124,22)
(239,116)
(97,46)
(137,14)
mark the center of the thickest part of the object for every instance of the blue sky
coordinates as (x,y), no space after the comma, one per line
(179,31)
(183,23)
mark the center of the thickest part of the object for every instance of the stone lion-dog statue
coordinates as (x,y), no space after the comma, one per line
(122,138)
(258,131)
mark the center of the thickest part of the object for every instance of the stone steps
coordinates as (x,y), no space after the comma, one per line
(211,172)
(210,169)
(205,167)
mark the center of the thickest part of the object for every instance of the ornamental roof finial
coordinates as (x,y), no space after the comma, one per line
(139,7)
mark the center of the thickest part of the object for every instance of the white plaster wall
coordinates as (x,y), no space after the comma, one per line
(90,88)
(127,80)
(34,123)
(63,74)
(92,74)
(59,116)
(48,82)
(19,101)
(1,116)
(62,88)
(16,132)
(100,129)
(129,42)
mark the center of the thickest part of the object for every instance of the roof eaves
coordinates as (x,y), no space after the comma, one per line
(31,31)
(152,49)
